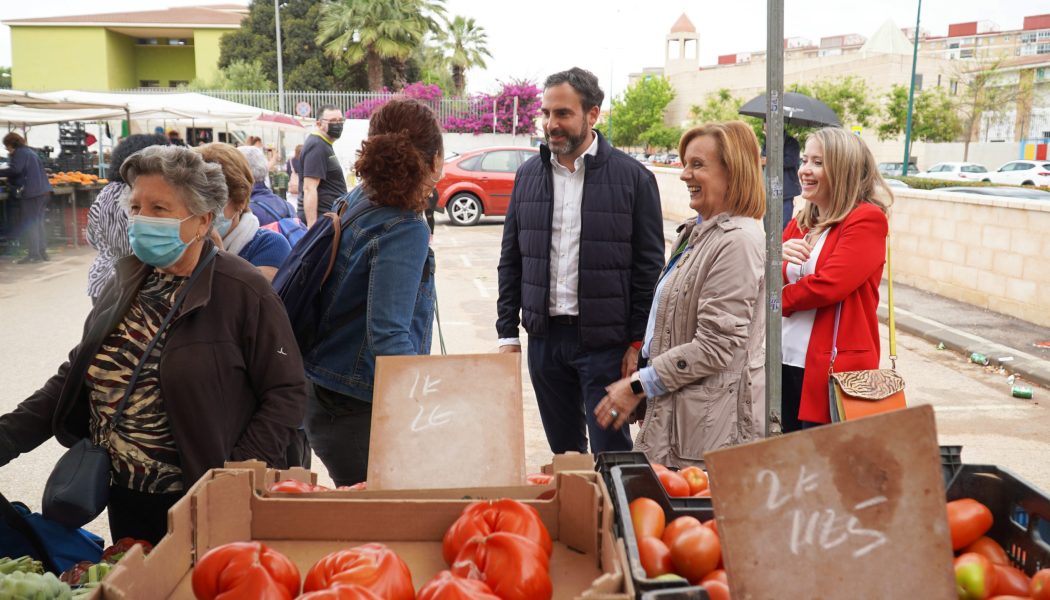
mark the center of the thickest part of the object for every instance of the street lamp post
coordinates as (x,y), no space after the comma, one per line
(911,93)
(280,59)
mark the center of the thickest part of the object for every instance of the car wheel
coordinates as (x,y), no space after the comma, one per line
(986,181)
(1028,183)
(464,209)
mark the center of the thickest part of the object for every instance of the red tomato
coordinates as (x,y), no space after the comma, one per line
(1040,588)
(245,570)
(716,575)
(990,549)
(703,493)
(1010,598)
(1010,581)
(648,517)
(350,591)
(674,483)
(658,467)
(676,527)
(373,566)
(696,553)
(716,590)
(974,576)
(514,567)
(712,524)
(696,478)
(446,586)
(539,479)
(291,486)
(655,556)
(968,520)
(483,518)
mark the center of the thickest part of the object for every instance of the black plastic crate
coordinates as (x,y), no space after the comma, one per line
(951,462)
(689,593)
(1021,512)
(630,481)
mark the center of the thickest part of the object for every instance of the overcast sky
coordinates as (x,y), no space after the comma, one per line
(613,38)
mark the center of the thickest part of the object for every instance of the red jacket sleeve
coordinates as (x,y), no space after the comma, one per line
(861,249)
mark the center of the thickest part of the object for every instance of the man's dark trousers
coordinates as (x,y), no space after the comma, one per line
(570,382)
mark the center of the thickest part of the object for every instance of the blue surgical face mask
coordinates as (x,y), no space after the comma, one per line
(156,240)
(222,224)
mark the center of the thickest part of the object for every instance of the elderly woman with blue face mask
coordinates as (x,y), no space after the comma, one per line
(223,381)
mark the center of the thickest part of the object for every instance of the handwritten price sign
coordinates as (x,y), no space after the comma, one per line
(845,511)
(447,422)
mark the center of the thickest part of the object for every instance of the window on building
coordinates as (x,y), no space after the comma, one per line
(953,45)
(938,80)
(918,82)
(1043,49)
(177,41)
(148,41)
(174,83)
(966,53)
(1028,37)
(149,83)
(953,87)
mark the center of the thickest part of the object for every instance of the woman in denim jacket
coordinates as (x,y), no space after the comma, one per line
(379,299)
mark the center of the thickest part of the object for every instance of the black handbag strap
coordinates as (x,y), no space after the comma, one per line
(18,522)
(160,332)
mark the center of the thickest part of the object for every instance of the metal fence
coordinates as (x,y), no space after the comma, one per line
(300,102)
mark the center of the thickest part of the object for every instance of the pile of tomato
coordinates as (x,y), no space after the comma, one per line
(496,550)
(982,568)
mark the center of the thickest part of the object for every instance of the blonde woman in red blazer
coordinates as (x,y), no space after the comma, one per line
(834,252)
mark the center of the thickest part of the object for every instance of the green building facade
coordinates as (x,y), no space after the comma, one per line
(120,51)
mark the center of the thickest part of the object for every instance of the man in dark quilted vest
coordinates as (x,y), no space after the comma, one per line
(582,249)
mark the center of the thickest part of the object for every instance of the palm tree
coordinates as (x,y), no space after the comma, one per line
(370,31)
(467,46)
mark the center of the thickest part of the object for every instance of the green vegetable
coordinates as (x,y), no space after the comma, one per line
(25,564)
(33,586)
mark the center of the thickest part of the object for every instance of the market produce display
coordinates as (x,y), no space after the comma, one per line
(75,177)
(372,566)
(245,570)
(481,519)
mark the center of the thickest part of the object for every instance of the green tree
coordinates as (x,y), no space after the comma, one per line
(640,108)
(369,31)
(983,92)
(238,75)
(934,116)
(723,106)
(305,66)
(433,65)
(661,136)
(848,96)
(5,78)
(466,45)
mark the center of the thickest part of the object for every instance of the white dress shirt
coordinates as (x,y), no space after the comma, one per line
(796,330)
(565,237)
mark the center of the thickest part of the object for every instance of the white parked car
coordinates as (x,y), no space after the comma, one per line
(956,171)
(1023,172)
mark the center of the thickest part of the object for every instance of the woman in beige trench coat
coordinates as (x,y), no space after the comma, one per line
(704,342)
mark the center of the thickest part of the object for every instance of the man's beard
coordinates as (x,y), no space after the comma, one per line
(571,143)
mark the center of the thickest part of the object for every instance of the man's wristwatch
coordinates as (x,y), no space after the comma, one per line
(636,384)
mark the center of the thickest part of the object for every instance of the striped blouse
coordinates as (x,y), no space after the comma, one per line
(107,232)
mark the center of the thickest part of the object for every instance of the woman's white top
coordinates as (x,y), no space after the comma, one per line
(796,329)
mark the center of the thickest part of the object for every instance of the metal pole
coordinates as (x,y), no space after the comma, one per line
(493,116)
(774,206)
(280,59)
(911,93)
(514,127)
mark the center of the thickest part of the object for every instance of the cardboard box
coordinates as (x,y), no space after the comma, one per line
(588,561)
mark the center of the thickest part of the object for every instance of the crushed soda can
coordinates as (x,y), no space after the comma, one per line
(980,359)
(1021,391)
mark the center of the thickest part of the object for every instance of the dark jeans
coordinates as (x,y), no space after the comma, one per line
(791,399)
(339,428)
(139,515)
(33,226)
(569,383)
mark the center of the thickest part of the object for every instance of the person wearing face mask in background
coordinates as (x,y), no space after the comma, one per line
(224,381)
(321,180)
(236,225)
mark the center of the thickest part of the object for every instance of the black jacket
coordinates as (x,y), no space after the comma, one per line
(621,249)
(27,172)
(231,375)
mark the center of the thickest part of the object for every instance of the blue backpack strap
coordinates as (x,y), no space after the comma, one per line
(272,212)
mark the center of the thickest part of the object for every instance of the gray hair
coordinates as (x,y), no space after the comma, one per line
(257,162)
(201,185)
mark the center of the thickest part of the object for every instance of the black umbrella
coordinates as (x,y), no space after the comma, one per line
(799,109)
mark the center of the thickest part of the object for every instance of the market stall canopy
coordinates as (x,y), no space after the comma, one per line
(43,101)
(25,116)
(279,121)
(170,106)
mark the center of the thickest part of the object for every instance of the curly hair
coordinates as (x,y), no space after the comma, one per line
(130,145)
(396,160)
(235,169)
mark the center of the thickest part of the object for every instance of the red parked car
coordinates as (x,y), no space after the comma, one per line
(479,183)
